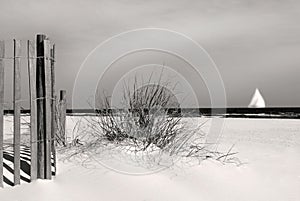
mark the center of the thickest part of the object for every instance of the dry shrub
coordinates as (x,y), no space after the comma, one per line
(146,126)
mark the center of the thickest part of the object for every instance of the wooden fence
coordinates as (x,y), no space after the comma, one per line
(40,59)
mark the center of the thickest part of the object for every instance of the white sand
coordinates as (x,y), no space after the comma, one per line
(271,149)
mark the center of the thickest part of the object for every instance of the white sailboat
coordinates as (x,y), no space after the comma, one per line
(257,100)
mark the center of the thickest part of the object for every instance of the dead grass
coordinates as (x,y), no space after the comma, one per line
(144,127)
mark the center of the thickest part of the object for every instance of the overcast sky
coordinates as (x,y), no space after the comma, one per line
(255,44)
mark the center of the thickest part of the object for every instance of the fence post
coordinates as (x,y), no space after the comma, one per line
(54,131)
(31,53)
(40,92)
(62,115)
(48,112)
(53,107)
(2,55)
(16,103)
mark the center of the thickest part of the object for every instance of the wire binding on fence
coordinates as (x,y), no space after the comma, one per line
(5,143)
(25,57)
(23,100)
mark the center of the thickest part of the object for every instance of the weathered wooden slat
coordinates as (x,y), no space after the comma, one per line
(2,55)
(62,115)
(40,92)
(53,106)
(48,108)
(31,52)
(17,110)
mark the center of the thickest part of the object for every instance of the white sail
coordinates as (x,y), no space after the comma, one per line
(257,100)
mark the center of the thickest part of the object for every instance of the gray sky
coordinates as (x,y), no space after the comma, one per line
(255,44)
